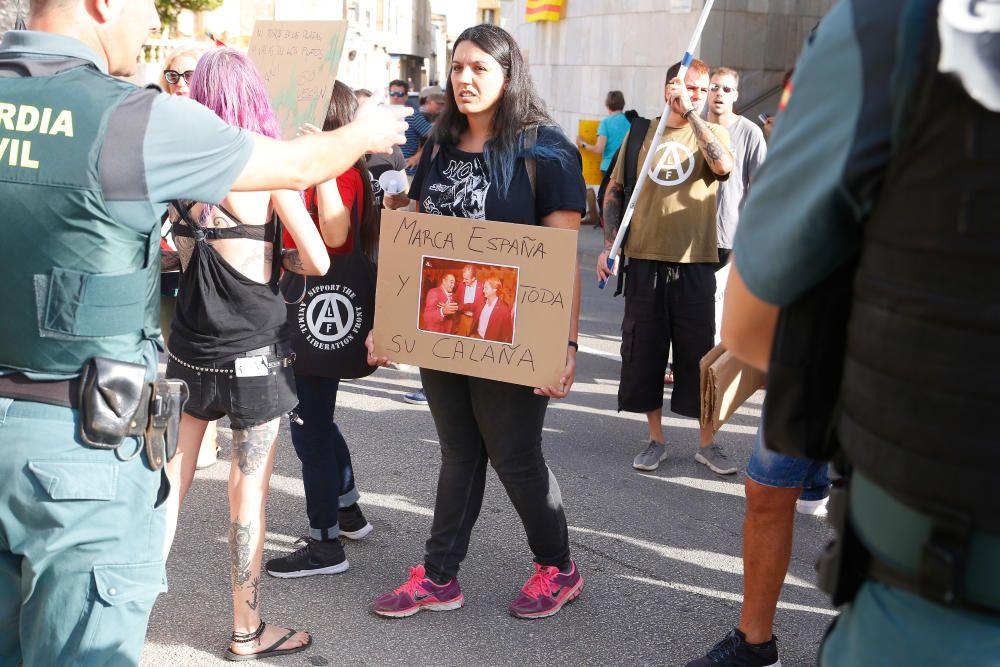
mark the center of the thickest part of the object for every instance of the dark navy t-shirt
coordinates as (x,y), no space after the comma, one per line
(458,183)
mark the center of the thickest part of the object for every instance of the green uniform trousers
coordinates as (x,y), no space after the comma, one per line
(81,542)
(886,627)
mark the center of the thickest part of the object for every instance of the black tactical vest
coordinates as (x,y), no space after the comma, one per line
(921,384)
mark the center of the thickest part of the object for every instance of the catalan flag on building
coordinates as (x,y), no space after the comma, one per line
(544,10)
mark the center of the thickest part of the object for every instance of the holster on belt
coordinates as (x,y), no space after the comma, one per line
(166,403)
(843,564)
(117,402)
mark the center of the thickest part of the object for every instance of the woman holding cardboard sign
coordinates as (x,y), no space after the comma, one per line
(495,154)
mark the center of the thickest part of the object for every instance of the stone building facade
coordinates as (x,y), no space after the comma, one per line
(627,45)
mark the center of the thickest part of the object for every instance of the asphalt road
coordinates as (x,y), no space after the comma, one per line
(660,552)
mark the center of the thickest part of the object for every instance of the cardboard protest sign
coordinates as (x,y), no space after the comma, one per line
(488,299)
(299,61)
(726,384)
(587,129)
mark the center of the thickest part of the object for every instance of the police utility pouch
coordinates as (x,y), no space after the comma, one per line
(114,400)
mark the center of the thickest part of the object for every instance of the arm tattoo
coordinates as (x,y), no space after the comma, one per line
(710,146)
(252,445)
(614,201)
(291,261)
(240,537)
(169,260)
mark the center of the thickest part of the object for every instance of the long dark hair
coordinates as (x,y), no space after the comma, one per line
(342,109)
(519,107)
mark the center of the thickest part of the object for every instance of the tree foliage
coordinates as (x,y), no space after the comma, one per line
(169,10)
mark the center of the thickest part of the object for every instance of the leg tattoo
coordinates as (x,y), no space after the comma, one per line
(240,536)
(252,445)
(255,586)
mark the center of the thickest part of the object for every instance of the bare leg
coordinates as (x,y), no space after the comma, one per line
(253,459)
(705,435)
(767,550)
(180,471)
(655,419)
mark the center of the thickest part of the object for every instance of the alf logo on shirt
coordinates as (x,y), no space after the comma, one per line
(675,165)
(27,119)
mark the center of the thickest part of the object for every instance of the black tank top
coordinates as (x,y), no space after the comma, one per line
(220,312)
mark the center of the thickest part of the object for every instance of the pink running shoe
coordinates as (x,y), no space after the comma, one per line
(547,591)
(418,593)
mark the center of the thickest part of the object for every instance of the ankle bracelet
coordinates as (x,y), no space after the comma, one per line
(247,637)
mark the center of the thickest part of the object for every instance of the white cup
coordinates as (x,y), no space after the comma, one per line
(393,182)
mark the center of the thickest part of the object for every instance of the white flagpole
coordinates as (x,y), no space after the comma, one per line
(648,162)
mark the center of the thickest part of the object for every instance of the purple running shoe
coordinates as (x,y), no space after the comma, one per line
(418,593)
(547,591)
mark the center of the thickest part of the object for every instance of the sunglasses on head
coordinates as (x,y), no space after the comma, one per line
(173,76)
(396,93)
(716,87)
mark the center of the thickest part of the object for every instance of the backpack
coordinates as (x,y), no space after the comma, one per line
(639,127)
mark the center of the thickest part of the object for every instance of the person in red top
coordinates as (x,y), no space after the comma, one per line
(494,320)
(327,472)
(440,307)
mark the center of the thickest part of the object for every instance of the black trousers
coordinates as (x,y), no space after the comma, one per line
(480,421)
(665,303)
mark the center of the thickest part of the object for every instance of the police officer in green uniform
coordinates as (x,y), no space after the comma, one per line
(889,146)
(87,164)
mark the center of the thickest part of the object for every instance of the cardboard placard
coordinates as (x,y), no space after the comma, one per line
(423,316)
(298,61)
(587,129)
(726,384)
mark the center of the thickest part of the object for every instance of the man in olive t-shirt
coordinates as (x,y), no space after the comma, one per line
(672,256)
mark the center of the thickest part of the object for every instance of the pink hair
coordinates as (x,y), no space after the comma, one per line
(227,82)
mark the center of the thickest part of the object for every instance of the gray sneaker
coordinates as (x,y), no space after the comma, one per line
(649,458)
(716,461)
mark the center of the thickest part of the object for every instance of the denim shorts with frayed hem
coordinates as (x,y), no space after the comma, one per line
(247,401)
(780,471)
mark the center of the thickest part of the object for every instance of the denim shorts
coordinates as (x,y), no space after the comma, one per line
(247,401)
(770,468)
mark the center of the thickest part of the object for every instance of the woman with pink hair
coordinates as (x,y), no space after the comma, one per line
(230,343)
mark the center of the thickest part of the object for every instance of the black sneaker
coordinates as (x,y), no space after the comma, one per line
(733,651)
(352,522)
(316,557)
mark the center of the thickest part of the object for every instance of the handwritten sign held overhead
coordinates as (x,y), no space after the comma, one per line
(299,62)
(488,299)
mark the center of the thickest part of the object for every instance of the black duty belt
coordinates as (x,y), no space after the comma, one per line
(64,393)
(943,559)
(114,401)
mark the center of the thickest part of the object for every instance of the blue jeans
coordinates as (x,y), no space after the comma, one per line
(81,542)
(770,468)
(327,473)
